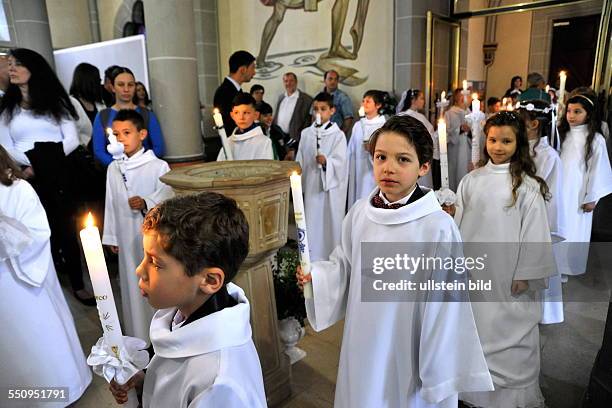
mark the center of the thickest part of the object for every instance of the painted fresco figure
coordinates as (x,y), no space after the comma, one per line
(339,12)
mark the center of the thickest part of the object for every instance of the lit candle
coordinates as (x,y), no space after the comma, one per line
(465,86)
(443,152)
(465,93)
(361,112)
(443,96)
(94,256)
(300,223)
(221,130)
(547,88)
(318,130)
(562,79)
(475,103)
(504,103)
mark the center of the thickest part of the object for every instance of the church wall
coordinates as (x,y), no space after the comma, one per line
(107,13)
(475,65)
(512,56)
(302,38)
(68,22)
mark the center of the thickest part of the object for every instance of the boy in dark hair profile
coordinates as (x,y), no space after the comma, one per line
(201,334)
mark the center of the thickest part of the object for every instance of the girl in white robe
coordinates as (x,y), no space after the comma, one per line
(502,202)
(360,173)
(396,354)
(324,187)
(587,178)
(537,116)
(39,346)
(459,145)
(415,102)
(122,229)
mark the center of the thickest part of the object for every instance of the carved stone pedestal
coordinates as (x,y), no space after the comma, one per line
(261,189)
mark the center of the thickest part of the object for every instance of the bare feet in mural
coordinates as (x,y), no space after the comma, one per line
(339,12)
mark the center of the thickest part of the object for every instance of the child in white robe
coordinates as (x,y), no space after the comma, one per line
(537,115)
(459,145)
(587,178)
(360,173)
(127,200)
(413,104)
(248,142)
(322,155)
(204,355)
(501,206)
(39,346)
(415,354)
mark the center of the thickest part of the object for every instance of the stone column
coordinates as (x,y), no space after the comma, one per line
(410,41)
(94,24)
(31,24)
(173,75)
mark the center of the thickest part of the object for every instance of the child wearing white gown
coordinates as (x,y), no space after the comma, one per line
(538,115)
(587,178)
(360,173)
(503,202)
(39,346)
(396,354)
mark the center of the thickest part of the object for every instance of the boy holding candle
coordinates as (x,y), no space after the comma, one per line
(132,187)
(201,336)
(248,141)
(397,353)
(361,178)
(322,155)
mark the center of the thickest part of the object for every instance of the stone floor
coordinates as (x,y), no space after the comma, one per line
(568,352)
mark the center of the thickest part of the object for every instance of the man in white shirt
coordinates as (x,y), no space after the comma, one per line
(293,111)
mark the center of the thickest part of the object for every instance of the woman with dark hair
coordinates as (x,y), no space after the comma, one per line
(37,128)
(85,87)
(124,86)
(515,87)
(141,97)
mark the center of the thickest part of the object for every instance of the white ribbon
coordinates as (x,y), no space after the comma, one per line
(446,196)
(132,358)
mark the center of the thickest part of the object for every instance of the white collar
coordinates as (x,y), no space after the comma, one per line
(400,201)
(580,128)
(422,207)
(543,141)
(139,158)
(324,131)
(498,168)
(374,121)
(236,84)
(229,327)
(248,135)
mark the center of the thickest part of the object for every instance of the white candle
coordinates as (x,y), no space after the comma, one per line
(318,129)
(361,112)
(94,256)
(547,88)
(465,86)
(443,96)
(475,103)
(221,130)
(443,153)
(300,223)
(562,79)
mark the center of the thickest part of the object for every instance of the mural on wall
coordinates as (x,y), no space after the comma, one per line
(332,58)
(309,37)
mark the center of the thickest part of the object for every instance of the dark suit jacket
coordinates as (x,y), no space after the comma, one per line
(224,95)
(301,118)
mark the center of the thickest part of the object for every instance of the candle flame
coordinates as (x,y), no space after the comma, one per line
(562,74)
(89,221)
(443,95)
(109,131)
(215,111)
(441,121)
(474,96)
(295,173)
